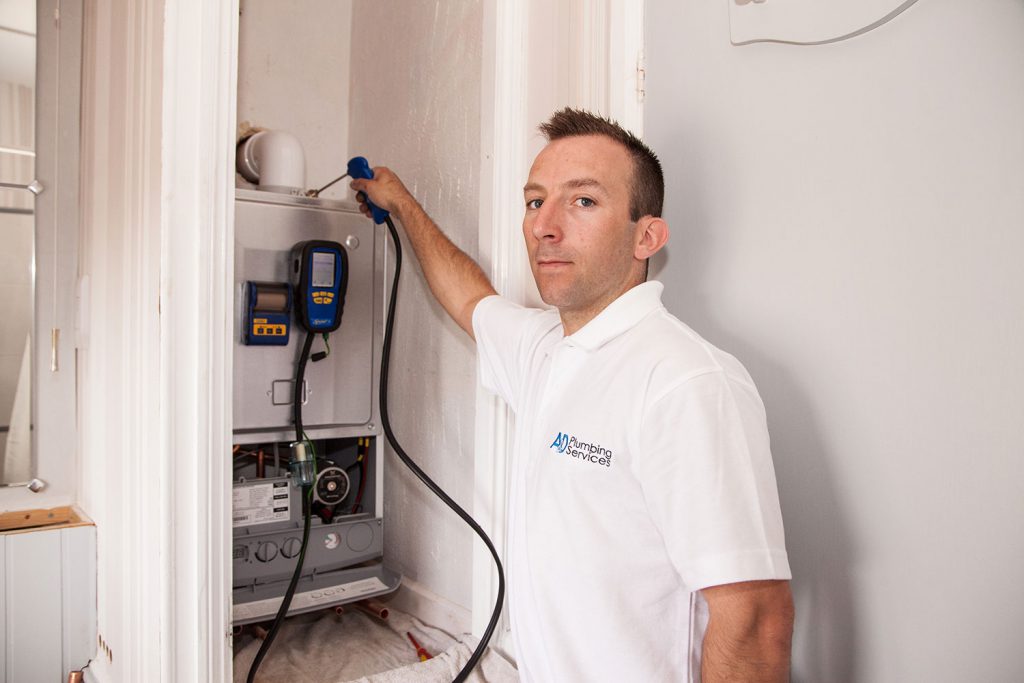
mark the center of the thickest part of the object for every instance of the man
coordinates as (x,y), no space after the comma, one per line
(645,538)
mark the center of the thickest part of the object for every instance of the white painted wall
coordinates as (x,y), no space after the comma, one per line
(848,221)
(809,22)
(293,68)
(415,107)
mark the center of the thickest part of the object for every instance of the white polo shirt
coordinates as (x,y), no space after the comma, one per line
(641,473)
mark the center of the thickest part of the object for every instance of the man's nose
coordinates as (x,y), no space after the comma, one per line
(547,223)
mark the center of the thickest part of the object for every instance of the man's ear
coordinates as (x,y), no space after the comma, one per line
(651,236)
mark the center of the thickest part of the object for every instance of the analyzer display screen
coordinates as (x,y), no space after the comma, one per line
(323,269)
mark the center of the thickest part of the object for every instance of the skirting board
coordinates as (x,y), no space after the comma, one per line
(431,608)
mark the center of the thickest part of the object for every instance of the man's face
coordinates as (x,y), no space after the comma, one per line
(577,228)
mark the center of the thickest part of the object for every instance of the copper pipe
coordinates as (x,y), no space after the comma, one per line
(339,610)
(260,472)
(374,608)
(259,632)
(75,677)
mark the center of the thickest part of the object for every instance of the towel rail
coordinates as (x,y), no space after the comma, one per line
(35,187)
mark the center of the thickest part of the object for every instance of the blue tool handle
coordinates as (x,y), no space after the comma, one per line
(359,167)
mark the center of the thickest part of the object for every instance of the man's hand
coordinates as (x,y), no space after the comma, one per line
(455,279)
(385,190)
(749,634)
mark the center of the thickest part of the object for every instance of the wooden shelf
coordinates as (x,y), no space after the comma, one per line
(22,521)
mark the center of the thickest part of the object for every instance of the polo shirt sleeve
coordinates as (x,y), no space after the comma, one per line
(505,333)
(705,468)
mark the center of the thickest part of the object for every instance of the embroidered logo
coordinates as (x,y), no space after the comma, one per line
(568,444)
(561,442)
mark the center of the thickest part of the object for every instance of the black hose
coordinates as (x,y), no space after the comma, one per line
(386,422)
(287,601)
(300,377)
(300,380)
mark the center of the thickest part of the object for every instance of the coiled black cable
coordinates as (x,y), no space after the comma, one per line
(404,457)
(300,377)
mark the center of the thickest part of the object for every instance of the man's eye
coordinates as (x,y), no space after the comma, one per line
(534,203)
(586,202)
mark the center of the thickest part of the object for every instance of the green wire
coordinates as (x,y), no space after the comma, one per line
(327,343)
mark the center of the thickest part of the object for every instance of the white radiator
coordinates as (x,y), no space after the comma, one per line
(47,603)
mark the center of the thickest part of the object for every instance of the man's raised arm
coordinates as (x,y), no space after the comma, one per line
(456,280)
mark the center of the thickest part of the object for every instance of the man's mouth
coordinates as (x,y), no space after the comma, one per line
(551,262)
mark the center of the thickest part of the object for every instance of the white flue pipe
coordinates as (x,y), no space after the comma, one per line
(274,160)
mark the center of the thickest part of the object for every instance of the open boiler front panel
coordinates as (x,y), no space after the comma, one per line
(343,561)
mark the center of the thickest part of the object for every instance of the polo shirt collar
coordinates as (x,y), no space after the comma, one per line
(619,316)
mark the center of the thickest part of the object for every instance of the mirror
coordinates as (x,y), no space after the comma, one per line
(17,234)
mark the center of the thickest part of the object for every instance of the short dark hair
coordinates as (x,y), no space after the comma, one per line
(647,194)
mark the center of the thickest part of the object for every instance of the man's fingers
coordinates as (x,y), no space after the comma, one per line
(387,189)
(364,205)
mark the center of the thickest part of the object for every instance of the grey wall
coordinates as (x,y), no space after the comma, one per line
(415,107)
(849,221)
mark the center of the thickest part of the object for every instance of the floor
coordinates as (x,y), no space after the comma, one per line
(324,647)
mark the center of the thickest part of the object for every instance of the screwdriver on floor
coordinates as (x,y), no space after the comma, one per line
(424,655)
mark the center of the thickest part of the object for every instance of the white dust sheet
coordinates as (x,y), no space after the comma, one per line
(354,647)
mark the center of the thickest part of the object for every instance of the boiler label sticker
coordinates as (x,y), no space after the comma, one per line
(260,504)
